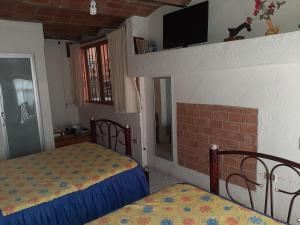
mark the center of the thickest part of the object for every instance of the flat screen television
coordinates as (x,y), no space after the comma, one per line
(186,26)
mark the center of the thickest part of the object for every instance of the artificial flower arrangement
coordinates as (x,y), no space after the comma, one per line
(264,9)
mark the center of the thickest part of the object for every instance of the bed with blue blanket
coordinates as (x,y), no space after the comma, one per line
(68,186)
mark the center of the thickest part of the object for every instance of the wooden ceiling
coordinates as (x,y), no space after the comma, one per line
(70,19)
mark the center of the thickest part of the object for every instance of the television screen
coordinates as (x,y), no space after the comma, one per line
(186,27)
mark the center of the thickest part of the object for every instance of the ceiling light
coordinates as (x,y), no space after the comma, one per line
(93,9)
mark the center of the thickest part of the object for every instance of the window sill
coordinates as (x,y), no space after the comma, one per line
(100,102)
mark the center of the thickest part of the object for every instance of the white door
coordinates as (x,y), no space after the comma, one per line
(21,131)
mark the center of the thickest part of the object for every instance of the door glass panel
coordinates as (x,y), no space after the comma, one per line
(19,106)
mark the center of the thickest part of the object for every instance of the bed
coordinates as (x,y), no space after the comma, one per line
(189,205)
(72,185)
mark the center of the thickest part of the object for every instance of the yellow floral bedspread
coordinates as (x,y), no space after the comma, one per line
(38,178)
(183,204)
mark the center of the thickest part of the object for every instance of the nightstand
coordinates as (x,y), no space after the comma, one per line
(71,139)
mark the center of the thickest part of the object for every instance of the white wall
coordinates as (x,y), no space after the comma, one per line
(260,72)
(60,82)
(27,38)
(229,13)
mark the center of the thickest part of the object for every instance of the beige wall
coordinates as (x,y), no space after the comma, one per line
(27,38)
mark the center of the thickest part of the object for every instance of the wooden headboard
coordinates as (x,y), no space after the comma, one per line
(109,133)
(215,153)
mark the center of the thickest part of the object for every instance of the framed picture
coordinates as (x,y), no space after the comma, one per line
(140,45)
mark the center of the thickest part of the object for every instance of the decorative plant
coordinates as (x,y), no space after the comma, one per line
(264,10)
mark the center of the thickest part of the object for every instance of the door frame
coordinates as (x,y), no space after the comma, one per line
(36,96)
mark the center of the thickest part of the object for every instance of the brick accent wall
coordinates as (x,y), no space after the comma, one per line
(199,125)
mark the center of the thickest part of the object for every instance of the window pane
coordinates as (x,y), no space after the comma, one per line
(94,84)
(105,72)
(98,80)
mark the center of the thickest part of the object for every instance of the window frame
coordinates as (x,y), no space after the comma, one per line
(100,75)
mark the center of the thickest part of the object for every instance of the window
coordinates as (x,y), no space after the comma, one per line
(97,80)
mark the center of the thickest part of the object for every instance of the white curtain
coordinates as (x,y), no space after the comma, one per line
(78,73)
(125,93)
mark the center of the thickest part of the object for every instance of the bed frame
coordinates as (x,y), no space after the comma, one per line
(214,154)
(111,131)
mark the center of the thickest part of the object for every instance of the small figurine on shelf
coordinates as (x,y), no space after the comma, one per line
(233,32)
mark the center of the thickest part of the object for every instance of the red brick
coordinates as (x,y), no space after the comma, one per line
(206,114)
(49,11)
(235,117)
(220,116)
(234,109)
(191,165)
(188,120)
(189,135)
(179,118)
(205,130)
(205,107)
(189,143)
(227,143)
(180,109)
(220,133)
(204,170)
(231,126)
(5,14)
(192,128)
(237,136)
(249,165)
(251,111)
(252,119)
(202,122)
(247,147)
(215,124)
(220,108)
(215,140)
(231,162)
(251,139)
(202,138)
(199,125)
(115,4)
(203,149)
(179,133)
(251,129)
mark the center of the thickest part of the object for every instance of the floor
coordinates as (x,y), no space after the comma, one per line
(160,180)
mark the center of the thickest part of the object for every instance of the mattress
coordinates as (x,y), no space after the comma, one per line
(183,204)
(70,179)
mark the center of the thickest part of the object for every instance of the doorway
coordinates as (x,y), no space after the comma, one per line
(20,121)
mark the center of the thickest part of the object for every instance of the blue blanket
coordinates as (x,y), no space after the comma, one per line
(83,206)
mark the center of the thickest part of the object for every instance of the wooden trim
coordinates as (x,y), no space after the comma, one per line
(101,102)
(87,73)
(100,77)
(94,44)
